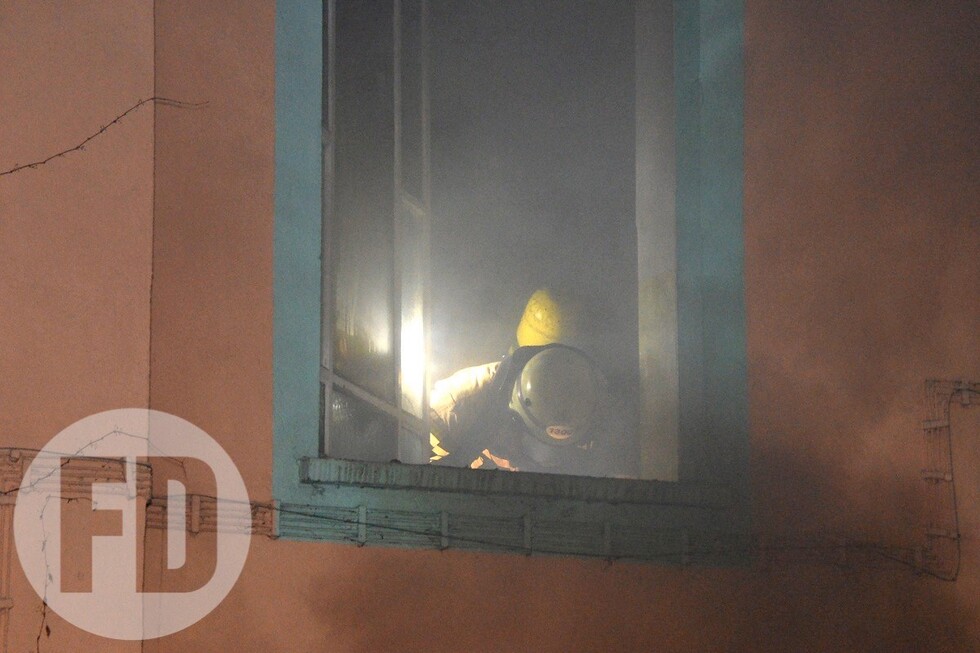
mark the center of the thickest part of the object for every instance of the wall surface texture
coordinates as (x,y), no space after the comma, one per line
(75,239)
(138,271)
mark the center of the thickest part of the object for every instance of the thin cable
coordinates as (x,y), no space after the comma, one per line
(170,102)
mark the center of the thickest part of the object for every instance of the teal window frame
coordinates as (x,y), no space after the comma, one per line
(703,518)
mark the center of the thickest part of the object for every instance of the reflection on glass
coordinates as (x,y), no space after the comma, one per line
(533,186)
(359,431)
(411,87)
(534,150)
(412,279)
(362,223)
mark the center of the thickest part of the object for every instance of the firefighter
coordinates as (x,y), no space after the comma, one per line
(544,407)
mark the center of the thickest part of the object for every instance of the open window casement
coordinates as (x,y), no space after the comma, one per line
(471,152)
(376,231)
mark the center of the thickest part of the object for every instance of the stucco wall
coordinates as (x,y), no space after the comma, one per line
(75,232)
(75,237)
(861,238)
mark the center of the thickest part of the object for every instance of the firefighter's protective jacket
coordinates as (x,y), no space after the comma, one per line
(464,409)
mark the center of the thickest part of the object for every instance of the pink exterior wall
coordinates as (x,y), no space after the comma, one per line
(76,232)
(75,238)
(861,264)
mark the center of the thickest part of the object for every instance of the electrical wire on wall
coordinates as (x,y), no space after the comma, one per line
(938,556)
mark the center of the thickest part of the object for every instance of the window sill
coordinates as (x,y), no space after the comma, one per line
(418,506)
(352,473)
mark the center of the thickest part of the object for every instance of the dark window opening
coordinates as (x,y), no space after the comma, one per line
(480,154)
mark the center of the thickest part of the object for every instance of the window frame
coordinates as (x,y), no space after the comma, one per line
(702,518)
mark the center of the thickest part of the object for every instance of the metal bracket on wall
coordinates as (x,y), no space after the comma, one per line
(7,500)
(941,552)
(938,554)
(75,480)
(202,516)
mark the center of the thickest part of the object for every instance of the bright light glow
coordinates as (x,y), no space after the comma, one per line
(413,363)
(379,340)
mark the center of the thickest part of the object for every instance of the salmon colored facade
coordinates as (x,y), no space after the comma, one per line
(138,272)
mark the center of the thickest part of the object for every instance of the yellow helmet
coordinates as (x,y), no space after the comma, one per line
(546,320)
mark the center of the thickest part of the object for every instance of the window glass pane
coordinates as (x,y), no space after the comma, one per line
(360,431)
(529,112)
(362,247)
(412,258)
(533,182)
(411,98)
